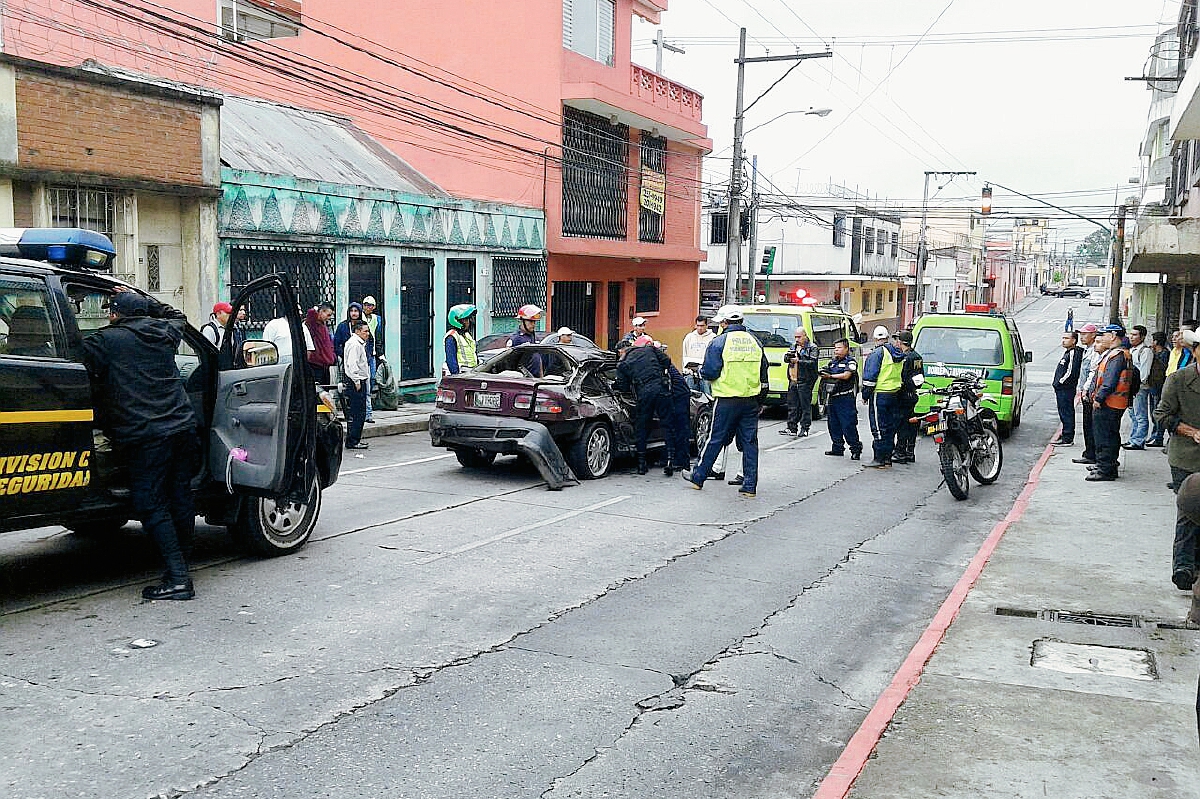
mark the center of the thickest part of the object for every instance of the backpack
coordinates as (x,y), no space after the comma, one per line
(1158,371)
(1135,376)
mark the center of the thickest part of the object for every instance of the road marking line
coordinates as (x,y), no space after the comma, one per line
(845,771)
(797,440)
(518,530)
(394,465)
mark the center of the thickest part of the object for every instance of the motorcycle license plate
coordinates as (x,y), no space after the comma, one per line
(931,429)
(488,400)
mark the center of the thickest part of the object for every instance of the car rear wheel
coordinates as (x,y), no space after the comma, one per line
(474,458)
(278,525)
(702,429)
(591,455)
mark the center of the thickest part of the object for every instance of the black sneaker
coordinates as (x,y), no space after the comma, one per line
(169,590)
(1183,579)
(786,432)
(737,481)
(877,465)
(1133,446)
(856,456)
(837,453)
(1083,460)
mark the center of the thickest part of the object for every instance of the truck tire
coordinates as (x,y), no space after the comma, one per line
(269,527)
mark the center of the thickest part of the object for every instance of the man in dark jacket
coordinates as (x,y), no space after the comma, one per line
(801,362)
(912,377)
(1065,382)
(145,411)
(643,370)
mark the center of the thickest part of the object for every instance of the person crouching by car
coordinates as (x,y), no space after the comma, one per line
(643,371)
(144,409)
(358,373)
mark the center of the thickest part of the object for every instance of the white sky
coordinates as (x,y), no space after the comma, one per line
(1038,116)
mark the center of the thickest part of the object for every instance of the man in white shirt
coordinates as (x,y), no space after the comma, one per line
(1139,405)
(279,333)
(695,344)
(1087,372)
(358,374)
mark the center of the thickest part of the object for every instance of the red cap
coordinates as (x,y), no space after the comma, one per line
(222,307)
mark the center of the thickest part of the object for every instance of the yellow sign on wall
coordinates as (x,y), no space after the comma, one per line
(654,191)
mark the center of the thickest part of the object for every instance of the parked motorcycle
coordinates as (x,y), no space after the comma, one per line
(967,435)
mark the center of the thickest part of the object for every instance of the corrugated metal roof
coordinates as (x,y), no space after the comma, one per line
(274,139)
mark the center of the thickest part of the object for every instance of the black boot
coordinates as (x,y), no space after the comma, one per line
(669,470)
(642,468)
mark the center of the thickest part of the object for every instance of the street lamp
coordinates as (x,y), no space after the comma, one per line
(816,112)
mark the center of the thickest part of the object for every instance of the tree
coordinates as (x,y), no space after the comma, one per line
(1096,247)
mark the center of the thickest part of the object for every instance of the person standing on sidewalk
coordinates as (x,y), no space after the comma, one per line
(695,344)
(1065,382)
(801,362)
(1179,414)
(912,377)
(1087,371)
(1158,376)
(841,377)
(880,337)
(357,382)
(1142,355)
(374,349)
(1110,398)
(737,366)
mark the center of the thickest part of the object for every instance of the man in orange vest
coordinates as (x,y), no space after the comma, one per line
(1110,398)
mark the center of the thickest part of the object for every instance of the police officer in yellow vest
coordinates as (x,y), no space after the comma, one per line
(460,340)
(882,380)
(737,367)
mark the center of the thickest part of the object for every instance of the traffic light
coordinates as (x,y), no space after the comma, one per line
(768,261)
(985,207)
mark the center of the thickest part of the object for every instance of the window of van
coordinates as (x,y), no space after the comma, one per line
(773,330)
(960,345)
(827,329)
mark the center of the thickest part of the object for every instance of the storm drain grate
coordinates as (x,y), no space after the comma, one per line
(1076,617)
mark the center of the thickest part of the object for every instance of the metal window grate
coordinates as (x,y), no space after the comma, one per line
(516,282)
(310,271)
(91,209)
(652,224)
(595,176)
(153,268)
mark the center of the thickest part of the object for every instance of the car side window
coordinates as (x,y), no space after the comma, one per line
(27,329)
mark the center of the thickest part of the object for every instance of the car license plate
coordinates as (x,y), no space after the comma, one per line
(488,400)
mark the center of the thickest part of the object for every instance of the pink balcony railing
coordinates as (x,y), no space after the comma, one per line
(666,94)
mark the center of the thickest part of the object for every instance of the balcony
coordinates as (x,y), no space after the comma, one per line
(1168,245)
(648,102)
(664,93)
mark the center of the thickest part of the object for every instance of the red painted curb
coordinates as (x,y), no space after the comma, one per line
(845,771)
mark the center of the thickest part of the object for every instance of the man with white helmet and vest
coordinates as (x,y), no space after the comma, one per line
(527,319)
(460,340)
(882,381)
(737,366)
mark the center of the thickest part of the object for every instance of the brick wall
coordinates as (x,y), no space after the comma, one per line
(75,126)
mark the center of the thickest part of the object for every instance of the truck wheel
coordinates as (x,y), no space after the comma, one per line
(278,526)
(474,458)
(591,455)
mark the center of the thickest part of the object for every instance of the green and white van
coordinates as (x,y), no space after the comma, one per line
(775,325)
(981,342)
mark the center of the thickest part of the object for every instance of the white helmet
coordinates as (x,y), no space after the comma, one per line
(730,313)
(880,334)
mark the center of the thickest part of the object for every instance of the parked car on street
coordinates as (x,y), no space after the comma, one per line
(554,404)
(1074,290)
(268,449)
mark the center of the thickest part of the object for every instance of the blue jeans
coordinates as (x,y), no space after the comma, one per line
(370,383)
(843,424)
(733,417)
(356,411)
(1065,397)
(1139,417)
(1156,428)
(886,408)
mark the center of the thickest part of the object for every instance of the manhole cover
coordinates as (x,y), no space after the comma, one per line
(1133,664)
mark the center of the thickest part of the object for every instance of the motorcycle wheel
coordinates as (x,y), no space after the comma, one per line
(986,462)
(954,469)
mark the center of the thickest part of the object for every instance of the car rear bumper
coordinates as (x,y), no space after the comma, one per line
(504,436)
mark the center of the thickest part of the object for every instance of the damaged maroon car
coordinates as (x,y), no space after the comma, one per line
(553,404)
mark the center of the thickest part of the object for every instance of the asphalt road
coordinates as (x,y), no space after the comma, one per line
(454,632)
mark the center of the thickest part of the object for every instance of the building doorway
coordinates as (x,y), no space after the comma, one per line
(574,306)
(416,318)
(614,315)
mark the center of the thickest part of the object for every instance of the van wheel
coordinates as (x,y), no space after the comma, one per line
(278,525)
(1005,428)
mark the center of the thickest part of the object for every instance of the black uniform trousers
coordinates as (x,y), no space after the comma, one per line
(1065,397)
(649,405)
(1106,424)
(843,423)
(906,432)
(160,487)
(799,401)
(356,410)
(1089,431)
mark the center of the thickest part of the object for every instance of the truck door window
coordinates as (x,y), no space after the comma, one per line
(27,329)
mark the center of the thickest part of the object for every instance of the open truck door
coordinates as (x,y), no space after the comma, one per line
(262,439)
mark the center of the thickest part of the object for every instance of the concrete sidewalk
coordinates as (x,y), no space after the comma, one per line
(410,417)
(1033,693)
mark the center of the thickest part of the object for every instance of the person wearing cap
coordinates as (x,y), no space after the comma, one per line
(801,361)
(1179,414)
(143,407)
(841,380)
(460,339)
(643,372)
(214,328)
(639,329)
(695,344)
(564,334)
(374,347)
(1087,370)
(882,381)
(1065,382)
(737,366)
(1110,398)
(912,377)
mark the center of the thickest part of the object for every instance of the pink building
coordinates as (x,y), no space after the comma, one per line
(539,107)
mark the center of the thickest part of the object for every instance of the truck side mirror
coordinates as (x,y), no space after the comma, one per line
(1028,356)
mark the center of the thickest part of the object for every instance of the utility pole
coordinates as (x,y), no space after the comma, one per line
(733,249)
(660,44)
(751,259)
(922,246)
(1118,264)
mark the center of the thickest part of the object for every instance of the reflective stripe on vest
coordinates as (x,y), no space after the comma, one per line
(467,358)
(891,372)
(1120,397)
(740,376)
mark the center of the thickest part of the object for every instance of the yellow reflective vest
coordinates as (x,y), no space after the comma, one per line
(891,371)
(741,375)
